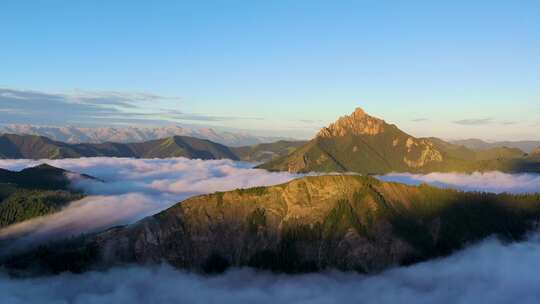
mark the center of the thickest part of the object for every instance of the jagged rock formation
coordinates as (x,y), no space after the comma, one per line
(358,123)
(347,222)
(365,144)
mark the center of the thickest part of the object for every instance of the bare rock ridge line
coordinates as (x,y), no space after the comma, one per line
(358,123)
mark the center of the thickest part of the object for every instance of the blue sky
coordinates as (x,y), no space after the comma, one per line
(454,69)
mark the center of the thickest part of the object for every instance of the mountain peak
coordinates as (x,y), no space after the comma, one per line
(357,123)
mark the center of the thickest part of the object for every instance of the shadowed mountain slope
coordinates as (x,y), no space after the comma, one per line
(347,222)
(38,147)
(268,151)
(35,191)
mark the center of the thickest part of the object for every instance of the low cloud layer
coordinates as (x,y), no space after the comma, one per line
(133,188)
(496,182)
(490,272)
(487,272)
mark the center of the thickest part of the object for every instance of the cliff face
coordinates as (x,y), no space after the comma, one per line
(360,143)
(365,144)
(336,221)
(358,123)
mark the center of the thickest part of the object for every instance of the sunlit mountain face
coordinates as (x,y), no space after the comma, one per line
(360,207)
(363,206)
(269,152)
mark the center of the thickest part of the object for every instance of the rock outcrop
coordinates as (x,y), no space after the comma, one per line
(346,222)
(365,144)
(358,123)
(360,143)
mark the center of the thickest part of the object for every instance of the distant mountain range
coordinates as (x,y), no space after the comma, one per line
(528,146)
(14,146)
(365,144)
(71,134)
(354,143)
(345,222)
(39,147)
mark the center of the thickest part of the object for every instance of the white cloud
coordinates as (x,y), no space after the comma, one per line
(489,272)
(133,189)
(496,182)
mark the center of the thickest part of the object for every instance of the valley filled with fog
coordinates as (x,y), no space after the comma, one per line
(130,189)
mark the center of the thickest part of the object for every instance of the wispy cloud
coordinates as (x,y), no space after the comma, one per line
(421,119)
(134,188)
(93,108)
(474,121)
(495,181)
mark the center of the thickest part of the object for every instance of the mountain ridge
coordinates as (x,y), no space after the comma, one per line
(39,147)
(365,144)
(77,135)
(527,146)
(313,223)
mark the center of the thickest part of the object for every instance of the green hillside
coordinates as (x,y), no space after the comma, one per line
(38,147)
(34,192)
(266,152)
(345,222)
(364,144)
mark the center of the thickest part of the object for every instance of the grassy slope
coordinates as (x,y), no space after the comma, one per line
(378,155)
(267,151)
(312,223)
(37,147)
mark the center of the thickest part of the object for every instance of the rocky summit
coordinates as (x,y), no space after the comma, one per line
(365,144)
(358,123)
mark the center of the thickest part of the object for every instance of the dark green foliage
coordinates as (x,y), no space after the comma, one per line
(25,204)
(252,191)
(340,219)
(216,264)
(257,219)
(38,147)
(267,151)
(73,255)
(42,176)
(289,257)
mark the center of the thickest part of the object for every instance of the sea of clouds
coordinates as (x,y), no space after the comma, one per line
(133,188)
(489,272)
(496,182)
